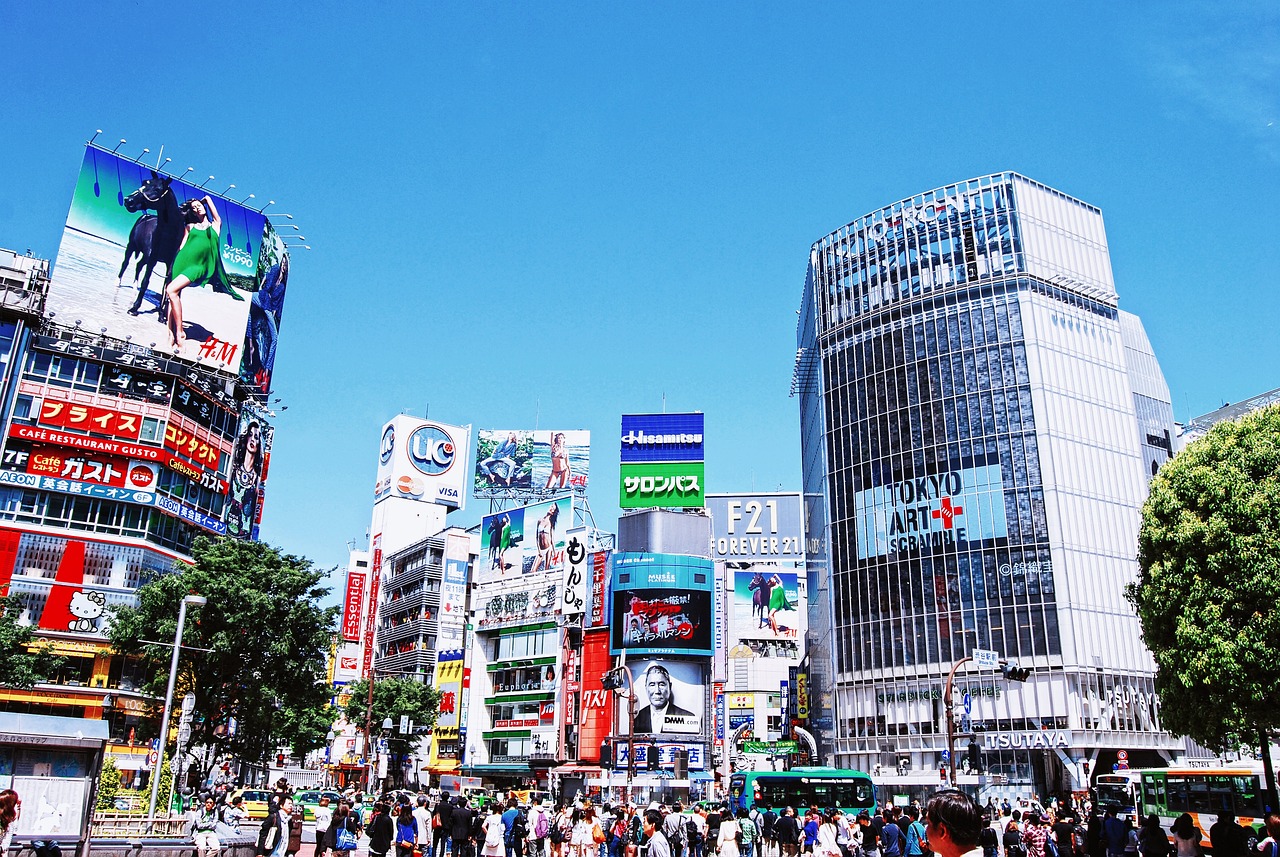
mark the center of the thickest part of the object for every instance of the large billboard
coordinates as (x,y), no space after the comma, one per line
(661,460)
(661,437)
(524,540)
(154,259)
(662,485)
(671,697)
(662,604)
(250,460)
(944,510)
(423,460)
(756,527)
(528,464)
(766,603)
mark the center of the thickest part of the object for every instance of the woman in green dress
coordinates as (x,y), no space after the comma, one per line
(777,602)
(198,263)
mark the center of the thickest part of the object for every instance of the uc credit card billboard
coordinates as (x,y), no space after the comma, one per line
(423,460)
(662,604)
(131,229)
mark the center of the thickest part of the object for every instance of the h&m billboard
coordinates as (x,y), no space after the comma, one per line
(152,258)
(423,460)
(529,464)
(756,527)
(662,604)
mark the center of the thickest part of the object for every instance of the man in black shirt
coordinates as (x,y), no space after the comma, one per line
(786,830)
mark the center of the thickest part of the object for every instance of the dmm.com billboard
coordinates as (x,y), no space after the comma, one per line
(152,258)
(421,460)
(662,604)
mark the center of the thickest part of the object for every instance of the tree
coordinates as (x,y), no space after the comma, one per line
(24,665)
(1209,585)
(108,784)
(262,682)
(393,697)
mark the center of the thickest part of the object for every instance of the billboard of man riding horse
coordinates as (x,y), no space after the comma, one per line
(164,263)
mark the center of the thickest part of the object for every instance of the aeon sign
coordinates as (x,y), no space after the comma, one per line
(431,450)
(416,462)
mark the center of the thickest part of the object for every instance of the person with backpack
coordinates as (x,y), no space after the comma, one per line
(515,829)
(673,830)
(768,844)
(786,831)
(697,832)
(750,833)
(891,844)
(616,835)
(539,829)
(988,840)
(916,836)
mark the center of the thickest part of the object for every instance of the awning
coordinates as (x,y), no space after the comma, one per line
(701,776)
(51,731)
(499,769)
(572,770)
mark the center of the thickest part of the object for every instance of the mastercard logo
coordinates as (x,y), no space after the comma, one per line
(409,485)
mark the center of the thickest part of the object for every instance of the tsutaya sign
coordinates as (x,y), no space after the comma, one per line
(1045,740)
(928,512)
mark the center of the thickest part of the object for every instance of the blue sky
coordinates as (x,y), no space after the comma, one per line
(549,214)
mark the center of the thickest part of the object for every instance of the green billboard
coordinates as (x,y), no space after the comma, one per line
(662,485)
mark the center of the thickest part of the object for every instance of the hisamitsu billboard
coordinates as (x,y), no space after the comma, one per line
(661,437)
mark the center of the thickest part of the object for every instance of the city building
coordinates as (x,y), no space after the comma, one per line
(1197,427)
(979,422)
(122,442)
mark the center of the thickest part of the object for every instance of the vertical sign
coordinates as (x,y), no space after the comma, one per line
(784,687)
(599,574)
(366,668)
(793,684)
(351,605)
(720,713)
(573,598)
(718,665)
(802,696)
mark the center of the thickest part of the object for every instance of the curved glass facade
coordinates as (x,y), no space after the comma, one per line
(974,465)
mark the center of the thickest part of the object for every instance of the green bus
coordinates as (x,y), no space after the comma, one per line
(1204,793)
(846,790)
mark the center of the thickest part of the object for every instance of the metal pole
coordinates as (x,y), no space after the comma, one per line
(631,728)
(168,706)
(368,733)
(951,717)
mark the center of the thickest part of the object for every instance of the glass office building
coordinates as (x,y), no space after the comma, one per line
(979,422)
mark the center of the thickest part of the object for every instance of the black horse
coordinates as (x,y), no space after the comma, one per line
(154,237)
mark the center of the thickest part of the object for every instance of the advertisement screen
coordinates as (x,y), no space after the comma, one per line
(661,604)
(248,478)
(530,463)
(671,697)
(756,527)
(155,259)
(422,460)
(661,437)
(766,603)
(524,540)
(663,485)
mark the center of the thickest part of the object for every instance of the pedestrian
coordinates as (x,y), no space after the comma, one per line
(786,831)
(462,821)
(674,830)
(1226,837)
(10,810)
(769,843)
(750,833)
(728,835)
(275,833)
(870,835)
(812,821)
(344,831)
(954,823)
(203,828)
(1012,839)
(441,827)
(561,829)
(825,845)
(494,832)
(324,817)
(382,830)
(1186,836)
(653,826)
(987,838)
(423,818)
(406,831)
(1034,836)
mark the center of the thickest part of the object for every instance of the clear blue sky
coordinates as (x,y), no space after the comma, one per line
(550,213)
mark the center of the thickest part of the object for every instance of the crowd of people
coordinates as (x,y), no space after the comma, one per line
(950,825)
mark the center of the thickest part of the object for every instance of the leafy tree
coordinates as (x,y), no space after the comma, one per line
(1209,585)
(108,783)
(262,681)
(393,697)
(23,664)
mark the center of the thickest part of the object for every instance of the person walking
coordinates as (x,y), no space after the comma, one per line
(441,828)
(324,817)
(406,832)
(462,821)
(494,832)
(276,832)
(1186,836)
(382,830)
(657,844)
(1226,837)
(750,833)
(10,811)
(728,836)
(786,830)
(825,845)
(953,824)
(344,831)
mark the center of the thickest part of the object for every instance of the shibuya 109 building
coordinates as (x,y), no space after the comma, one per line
(979,425)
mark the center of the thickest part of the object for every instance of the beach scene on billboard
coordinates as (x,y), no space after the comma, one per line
(766,602)
(534,461)
(155,259)
(524,540)
(671,696)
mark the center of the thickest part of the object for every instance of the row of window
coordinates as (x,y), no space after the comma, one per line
(96,516)
(526,644)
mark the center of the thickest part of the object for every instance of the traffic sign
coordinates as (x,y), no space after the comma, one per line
(946,755)
(986,659)
(968,703)
(1122,755)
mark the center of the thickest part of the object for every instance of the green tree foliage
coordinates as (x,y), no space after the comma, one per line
(268,638)
(108,784)
(1209,583)
(23,664)
(393,697)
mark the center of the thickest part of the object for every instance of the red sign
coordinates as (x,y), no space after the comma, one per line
(518,723)
(128,450)
(191,445)
(376,572)
(599,573)
(351,606)
(547,712)
(89,418)
(597,703)
(93,468)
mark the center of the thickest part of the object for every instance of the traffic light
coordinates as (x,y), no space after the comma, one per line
(1011,671)
(606,753)
(975,758)
(681,768)
(279,760)
(611,680)
(651,757)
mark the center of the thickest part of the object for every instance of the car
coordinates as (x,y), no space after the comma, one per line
(255,801)
(123,804)
(310,799)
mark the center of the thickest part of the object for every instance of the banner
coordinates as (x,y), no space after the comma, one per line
(352,604)
(671,697)
(132,231)
(747,527)
(663,485)
(766,603)
(425,461)
(946,510)
(248,478)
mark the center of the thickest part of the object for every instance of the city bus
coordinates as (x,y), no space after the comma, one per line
(846,790)
(1202,792)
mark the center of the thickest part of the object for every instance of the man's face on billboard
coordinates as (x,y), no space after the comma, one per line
(659,688)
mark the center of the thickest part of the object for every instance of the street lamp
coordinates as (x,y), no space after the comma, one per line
(194,601)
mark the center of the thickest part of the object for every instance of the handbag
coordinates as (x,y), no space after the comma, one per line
(345,840)
(597,835)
